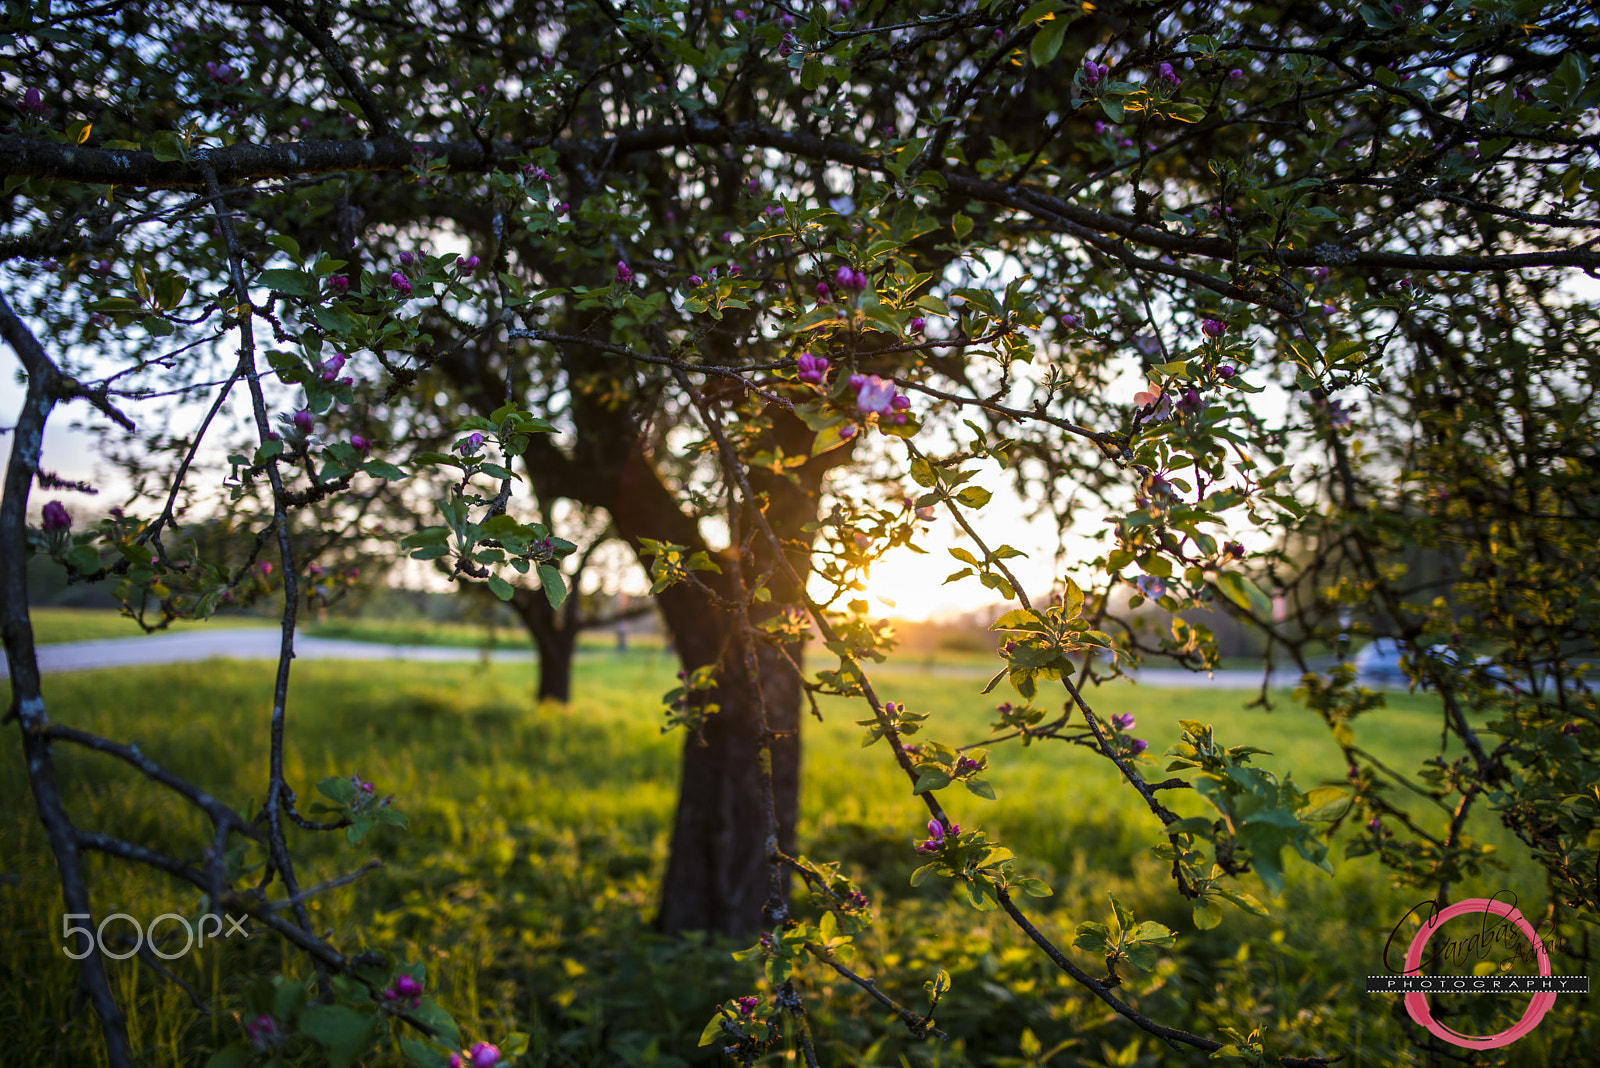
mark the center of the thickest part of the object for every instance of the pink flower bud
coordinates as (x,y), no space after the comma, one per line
(332,366)
(1236,74)
(624,275)
(302,421)
(696,281)
(55,516)
(467,263)
(918,325)
(339,284)
(1213,327)
(485,1056)
(822,291)
(936,830)
(33,101)
(401,283)
(360,443)
(407,258)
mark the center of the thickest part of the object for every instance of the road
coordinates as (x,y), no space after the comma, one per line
(261,643)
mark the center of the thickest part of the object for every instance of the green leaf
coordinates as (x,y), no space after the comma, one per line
(1047,42)
(1206,914)
(961,225)
(1037,11)
(922,473)
(166,146)
(380,469)
(979,786)
(501,588)
(237,1055)
(293,283)
(712,1032)
(336,788)
(1244,900)
(84,559)
(346,1033)
(1244,593)
(811,74)
(553,585)
(974,496)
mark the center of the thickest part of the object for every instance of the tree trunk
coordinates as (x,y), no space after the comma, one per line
(717,875)
(553,642)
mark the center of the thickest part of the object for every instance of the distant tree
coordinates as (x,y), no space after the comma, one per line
(1218,282)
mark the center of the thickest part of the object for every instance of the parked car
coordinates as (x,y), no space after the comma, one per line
(1379,663)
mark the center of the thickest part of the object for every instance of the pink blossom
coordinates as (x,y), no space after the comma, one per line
(624,275)
(401,283)
(485,1056)
(262,1031)
(875,394)
(925,513)
(33,101)
(55,516)
(812,368)
(1213,327)
(467,263)
(1150,586)
(1093,72)
(1168,75)
(1236,74)
(221,73)
(1124,721)
(469,445)
(747,1005)
(339,284)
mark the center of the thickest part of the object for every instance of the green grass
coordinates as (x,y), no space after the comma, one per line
(52,626)
(537,838)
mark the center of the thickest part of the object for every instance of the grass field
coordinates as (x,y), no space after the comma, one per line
(52,626)
(528,877)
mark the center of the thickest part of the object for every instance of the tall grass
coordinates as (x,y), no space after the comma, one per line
(529,874)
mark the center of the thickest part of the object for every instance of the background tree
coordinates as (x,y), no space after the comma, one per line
(701,258)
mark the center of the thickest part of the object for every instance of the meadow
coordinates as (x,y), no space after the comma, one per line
(527,879)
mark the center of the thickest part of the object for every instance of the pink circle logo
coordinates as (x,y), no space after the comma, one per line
(1417,1003)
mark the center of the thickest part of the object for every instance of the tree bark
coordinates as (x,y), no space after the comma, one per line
(553,642)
